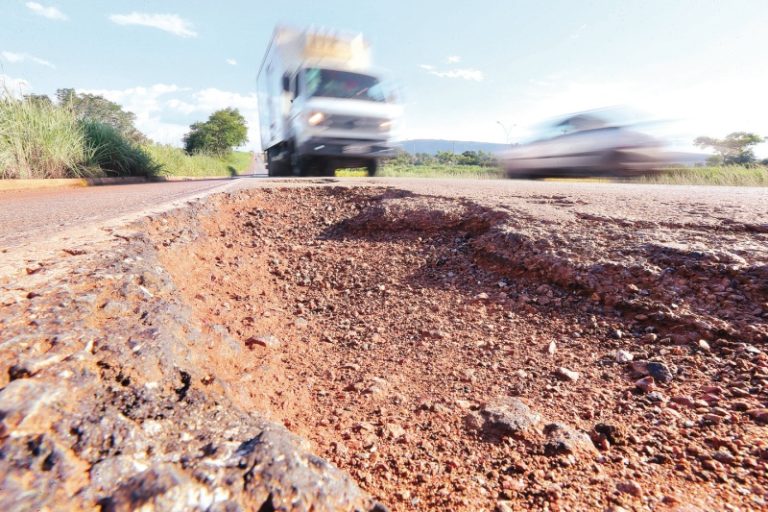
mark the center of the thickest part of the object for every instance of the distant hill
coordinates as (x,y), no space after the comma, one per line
(432,146)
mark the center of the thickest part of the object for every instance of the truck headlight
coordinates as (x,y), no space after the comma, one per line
(315,118)
(385,126)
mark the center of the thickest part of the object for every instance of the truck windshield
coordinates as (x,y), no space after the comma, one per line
(331,83)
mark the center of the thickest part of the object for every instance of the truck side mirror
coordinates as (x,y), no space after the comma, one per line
(286,83)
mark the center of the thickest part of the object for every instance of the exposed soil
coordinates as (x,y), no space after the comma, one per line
(450,356)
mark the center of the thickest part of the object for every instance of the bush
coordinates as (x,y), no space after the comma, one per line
(114,153)
(175,162)
(40,140)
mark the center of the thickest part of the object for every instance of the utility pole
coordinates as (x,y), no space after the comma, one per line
(506,132)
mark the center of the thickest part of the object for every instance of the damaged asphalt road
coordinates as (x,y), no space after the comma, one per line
(319,346)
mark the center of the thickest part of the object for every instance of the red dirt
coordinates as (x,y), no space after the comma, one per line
(394,325)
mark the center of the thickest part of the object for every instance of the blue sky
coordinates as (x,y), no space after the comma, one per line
(462,66)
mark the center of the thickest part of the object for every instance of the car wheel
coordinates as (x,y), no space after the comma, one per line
(372,167)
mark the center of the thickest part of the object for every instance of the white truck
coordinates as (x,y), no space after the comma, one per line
(321,105)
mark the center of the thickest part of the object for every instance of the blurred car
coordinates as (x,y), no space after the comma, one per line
(584,145)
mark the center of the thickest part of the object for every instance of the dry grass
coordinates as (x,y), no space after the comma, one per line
(734,176)
(175,162)
(41,140)
(428,171)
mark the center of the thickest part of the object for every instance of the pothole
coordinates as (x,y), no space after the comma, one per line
(390,330)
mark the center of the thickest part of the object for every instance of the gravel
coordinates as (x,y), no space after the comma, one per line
(393,365)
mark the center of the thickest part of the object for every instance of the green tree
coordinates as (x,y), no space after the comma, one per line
(446,157)
(41,99)
(469,158)
(402,157)
(224,130)
(735,148)
(91,107)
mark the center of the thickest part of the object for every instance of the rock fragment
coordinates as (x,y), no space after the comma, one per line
(563,439)
(615,434)
(646,384)
(505,416)
(659,371)
(630,487)
(552,348)
(567,375)
(267,341)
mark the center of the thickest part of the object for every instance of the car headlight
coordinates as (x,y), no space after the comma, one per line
(385,126)
(315,118)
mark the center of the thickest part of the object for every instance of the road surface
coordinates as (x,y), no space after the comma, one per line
(33,224)
(28,216)
(450,344)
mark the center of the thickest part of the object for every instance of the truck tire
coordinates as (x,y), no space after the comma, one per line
(312,166)
(372,167)
(271,166)
(329,168)
(276,167)
(298,165)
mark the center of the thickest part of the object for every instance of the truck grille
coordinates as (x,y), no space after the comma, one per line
(353,123)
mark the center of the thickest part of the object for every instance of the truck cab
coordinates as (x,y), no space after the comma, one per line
(322,106)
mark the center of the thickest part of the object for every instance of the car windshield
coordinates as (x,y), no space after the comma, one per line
(570,125)
(330,83)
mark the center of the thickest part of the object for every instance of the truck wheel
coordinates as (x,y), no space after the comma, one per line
(277,167)
(271,166)
(372,167)
(298,165)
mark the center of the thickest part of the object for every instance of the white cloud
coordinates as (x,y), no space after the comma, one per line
(231,62)
(206,101)
(148,104)
(453,59)
(15,87)
(14,58)
(578,32)
(676,114)
(52,13)
(156,104)
(465,74)
(171,23)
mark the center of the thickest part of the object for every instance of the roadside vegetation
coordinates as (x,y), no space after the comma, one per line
(83,135)
(754,175)
(176,162)
(444,164)
(725,175)
(41,140)
(440,171)
(733,164)
(224,130)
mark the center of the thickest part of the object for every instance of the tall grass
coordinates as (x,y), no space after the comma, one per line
(41,140)
(732,175)
(114,153)
(439,171)
(175,162)
(727,175)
